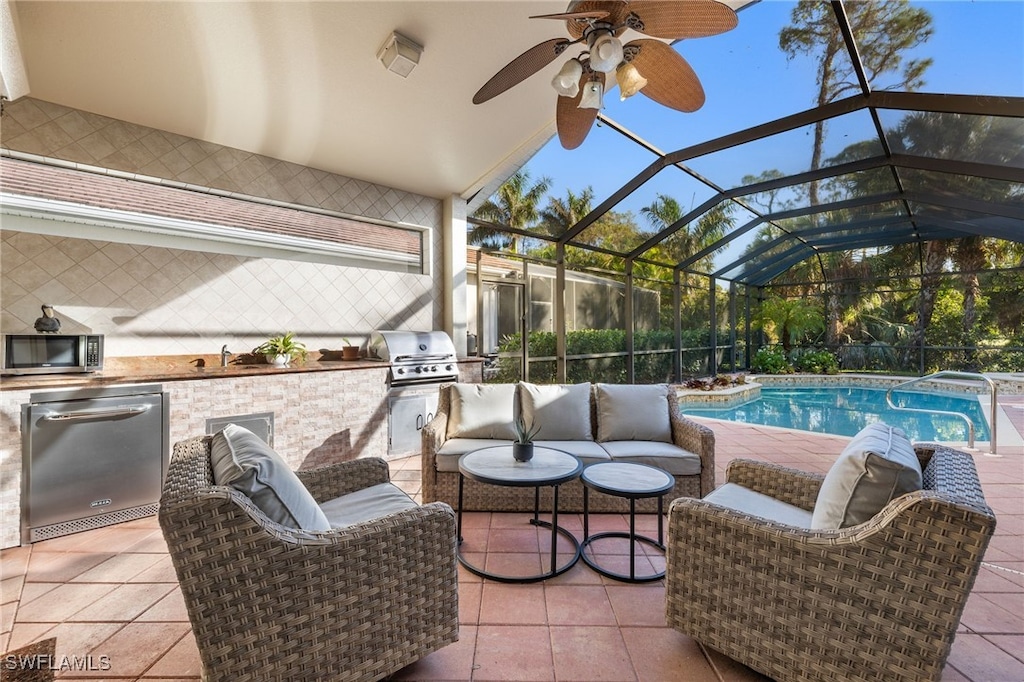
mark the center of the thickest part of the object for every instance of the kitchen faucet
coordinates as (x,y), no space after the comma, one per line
(224,353)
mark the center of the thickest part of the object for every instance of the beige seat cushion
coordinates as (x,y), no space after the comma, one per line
(672,458)
(877,466)
(562,412)
(242,460)
(587,450)
(633,412)
(734,496)
(447,458)
(482,411)
(366,504)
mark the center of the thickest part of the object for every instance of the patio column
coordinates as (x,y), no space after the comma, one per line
(453,272)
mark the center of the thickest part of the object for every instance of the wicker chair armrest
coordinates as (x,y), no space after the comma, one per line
(434,433)
(879,539)
(792,486)
(334,480)
(698,439)
(309,592)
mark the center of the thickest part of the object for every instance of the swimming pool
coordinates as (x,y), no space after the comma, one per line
(846,410)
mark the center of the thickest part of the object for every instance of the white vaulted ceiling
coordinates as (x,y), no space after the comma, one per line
(300,81)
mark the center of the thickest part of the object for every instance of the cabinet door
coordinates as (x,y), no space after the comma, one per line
(407,416)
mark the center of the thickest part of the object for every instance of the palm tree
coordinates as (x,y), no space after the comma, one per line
(691,238)
(561,214)
(513,205)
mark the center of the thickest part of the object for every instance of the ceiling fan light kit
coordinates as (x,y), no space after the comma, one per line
(567,81)
(605,53)
(646,65)
(630,80)
(399,54)
(593,92)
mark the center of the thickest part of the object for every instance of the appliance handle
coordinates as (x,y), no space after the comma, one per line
(95,414)
(426,357)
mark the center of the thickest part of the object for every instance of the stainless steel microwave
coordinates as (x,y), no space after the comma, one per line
(50,353)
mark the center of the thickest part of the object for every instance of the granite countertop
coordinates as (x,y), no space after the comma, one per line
(176,368)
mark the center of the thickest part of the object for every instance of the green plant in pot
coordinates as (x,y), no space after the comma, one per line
(522,447)
(280,350)
(348,351)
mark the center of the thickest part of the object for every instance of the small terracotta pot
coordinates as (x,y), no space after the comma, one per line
(350,352)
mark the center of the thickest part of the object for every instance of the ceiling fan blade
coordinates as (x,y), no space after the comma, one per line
(615,12)
(565,16)
(572,122)
(685,19)
(671,81)
(521,68)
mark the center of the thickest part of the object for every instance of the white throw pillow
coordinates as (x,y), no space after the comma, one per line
(561,412)
(633,412)
(482,411)
(242,460)
(877,466)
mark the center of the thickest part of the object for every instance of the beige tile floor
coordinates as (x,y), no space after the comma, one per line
(112,593)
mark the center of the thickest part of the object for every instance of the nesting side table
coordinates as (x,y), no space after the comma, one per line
(632,481)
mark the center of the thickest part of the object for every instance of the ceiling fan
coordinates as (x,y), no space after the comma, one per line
(646,65)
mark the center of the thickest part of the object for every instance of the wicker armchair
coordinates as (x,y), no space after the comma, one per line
(876,601)
(268,602)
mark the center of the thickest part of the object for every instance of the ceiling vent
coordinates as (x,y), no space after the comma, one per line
(399,55)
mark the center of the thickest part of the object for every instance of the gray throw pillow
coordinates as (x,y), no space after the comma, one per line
(482,411)
(242,460)
(877,466)
(561,412)
(633,412)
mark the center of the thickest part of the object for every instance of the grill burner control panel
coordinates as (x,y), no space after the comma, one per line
(424,369)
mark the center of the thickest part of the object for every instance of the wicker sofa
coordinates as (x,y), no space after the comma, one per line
(879,600)
(688,452)
(269,602)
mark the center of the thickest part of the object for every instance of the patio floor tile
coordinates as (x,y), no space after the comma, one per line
(113,592)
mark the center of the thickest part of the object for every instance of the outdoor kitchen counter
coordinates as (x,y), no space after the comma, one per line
(181,368)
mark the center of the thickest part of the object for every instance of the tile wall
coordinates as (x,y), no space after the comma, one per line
(154,300)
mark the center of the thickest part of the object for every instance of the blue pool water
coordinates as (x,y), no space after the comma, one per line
(844,411)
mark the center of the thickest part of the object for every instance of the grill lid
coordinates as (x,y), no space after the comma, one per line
(415,357)
(403,346)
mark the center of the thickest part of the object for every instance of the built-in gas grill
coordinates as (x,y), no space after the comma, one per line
(419,362)
(415,357)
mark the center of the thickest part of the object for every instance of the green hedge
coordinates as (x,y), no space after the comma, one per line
(648,369)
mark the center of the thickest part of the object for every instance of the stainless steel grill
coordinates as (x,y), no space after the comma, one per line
(415,357)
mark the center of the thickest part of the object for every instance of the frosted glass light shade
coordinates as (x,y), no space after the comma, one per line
(630,80)
(567,81)
(593,91)
(605,53)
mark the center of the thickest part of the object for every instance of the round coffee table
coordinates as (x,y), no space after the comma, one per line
(549,467)
(632,481)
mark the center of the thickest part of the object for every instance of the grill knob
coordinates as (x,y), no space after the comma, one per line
(400,370)
(419,370)
(433,368)
(447,368)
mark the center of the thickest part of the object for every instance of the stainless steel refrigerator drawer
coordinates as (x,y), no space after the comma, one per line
(92,460)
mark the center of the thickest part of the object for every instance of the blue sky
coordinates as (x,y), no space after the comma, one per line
(977,48)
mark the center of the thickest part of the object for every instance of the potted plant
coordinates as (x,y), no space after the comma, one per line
(522,447)
(348,351)
(280,350)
